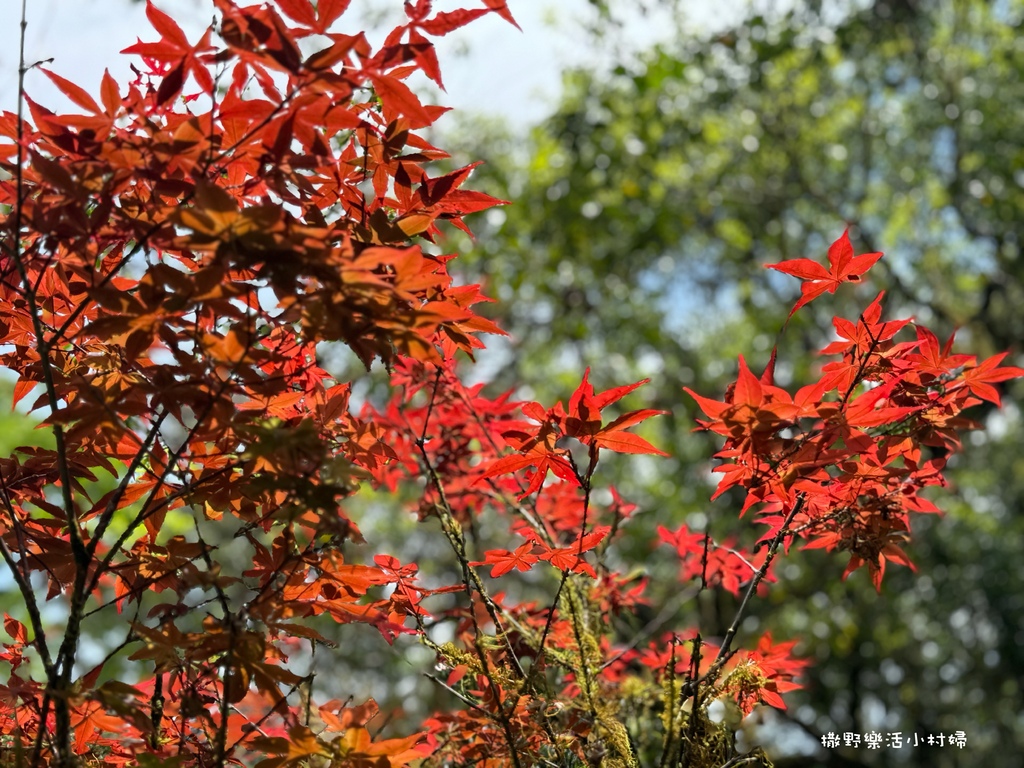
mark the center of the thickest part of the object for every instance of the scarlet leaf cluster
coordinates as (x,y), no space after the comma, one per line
(842,462)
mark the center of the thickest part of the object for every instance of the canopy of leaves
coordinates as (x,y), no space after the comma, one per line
(176,256)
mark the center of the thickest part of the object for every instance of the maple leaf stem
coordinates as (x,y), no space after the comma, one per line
(858,378)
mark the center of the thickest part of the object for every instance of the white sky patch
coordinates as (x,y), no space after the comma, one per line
(488,66)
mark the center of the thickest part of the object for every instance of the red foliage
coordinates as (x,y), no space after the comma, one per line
(841,464)
(843,267)
(170,265)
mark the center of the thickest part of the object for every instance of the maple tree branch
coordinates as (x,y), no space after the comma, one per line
(576,601)
(16,526)
(575,609)
(693,674)
(724,652)
(471,578)
(44,713)
(586,677)
(266,716)
(468,702)
(739,555)
(156,707)
(668,742)
(129,638)
(42,346)
(291,561)
(565,574)
(19,171)
(107,565)
(453,532)
(204,554)
(617,520)
(221,743)
(81,307)
(172,461)
(259,126)
(35,619)
(112,504)
(541,646)
(704,560)
(744,760)
(57,672)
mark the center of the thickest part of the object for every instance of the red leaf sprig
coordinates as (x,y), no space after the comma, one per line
(844,267)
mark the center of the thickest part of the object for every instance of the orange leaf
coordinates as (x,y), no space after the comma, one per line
(74,92)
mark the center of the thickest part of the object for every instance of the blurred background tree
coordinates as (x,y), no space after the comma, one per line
(645,206)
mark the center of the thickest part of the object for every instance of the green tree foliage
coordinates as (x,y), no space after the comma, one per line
(645,201)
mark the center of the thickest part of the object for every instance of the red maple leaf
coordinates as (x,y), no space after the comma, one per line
(571,558)
(844,267)
(539,452)
(179,54)
(584,419)
(503,561)
(979,379)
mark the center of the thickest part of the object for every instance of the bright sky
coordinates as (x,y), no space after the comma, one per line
(488,66)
